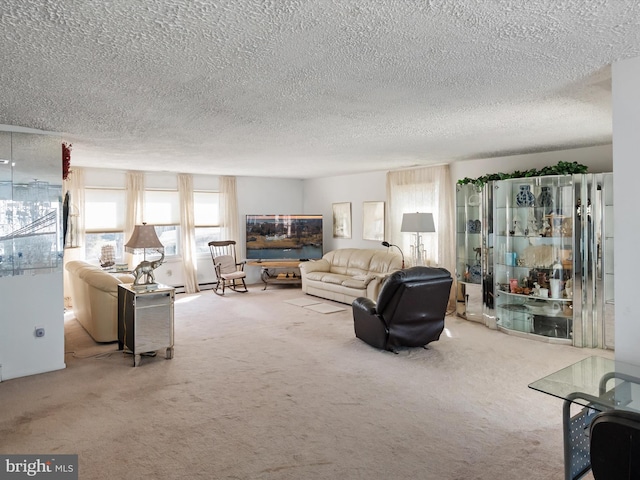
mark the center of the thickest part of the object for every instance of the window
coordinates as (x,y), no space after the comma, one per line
(104,222)
(105,213)
(207,220)
(162,210)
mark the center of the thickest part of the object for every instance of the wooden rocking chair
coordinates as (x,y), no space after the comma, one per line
(229,272)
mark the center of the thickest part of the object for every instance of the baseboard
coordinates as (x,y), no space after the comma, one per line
(201,286)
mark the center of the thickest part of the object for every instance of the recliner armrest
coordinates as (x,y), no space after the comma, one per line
(365,304)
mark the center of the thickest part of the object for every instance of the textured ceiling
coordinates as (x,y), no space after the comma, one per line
(297,88)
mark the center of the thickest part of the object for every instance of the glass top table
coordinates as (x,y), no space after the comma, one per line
(595,384)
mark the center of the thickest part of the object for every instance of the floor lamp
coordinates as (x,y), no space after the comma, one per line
(387,244)
(418,223)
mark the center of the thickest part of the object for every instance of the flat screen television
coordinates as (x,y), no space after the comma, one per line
(284,237)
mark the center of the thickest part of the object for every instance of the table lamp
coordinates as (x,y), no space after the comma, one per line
(418,223)
(143,237)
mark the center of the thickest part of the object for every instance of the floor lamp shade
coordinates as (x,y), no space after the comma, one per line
(417,223)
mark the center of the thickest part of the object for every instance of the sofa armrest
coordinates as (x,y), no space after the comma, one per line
(102,281)
(375,284)
(321,265)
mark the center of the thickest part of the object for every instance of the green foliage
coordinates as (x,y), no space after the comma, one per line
(562,168)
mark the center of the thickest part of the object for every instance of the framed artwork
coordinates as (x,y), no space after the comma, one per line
(342,220)
(373,221)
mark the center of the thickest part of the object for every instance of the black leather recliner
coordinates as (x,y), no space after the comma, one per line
(614,439)
(409,312)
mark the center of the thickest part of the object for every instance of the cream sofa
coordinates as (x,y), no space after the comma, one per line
(94,298)
(346,274)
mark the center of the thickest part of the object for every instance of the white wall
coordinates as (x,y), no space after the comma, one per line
(30,301)
(321,193)
(257,195)
(626,145)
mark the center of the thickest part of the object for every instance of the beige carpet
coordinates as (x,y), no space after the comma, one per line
(259,389)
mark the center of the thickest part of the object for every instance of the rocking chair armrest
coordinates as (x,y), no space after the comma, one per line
(241,265)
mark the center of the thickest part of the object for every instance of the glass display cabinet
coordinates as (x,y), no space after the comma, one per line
(474,253)
(533,258)
(550,277)
(607,260)
(469,235)
(30,204)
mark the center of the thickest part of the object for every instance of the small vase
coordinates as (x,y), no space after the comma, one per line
(525,197)
(545,199)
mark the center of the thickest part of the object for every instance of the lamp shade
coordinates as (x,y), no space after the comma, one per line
(417,222)
(143,236)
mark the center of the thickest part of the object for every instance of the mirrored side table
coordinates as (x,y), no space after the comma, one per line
(145,320)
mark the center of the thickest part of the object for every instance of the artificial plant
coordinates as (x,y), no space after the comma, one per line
(562,168)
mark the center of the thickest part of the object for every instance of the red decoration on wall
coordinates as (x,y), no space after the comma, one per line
(66,160)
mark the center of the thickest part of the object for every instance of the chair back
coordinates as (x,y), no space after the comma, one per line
(413,303)
(615,445)
(221,248)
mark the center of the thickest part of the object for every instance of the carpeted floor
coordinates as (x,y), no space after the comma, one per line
(262,389)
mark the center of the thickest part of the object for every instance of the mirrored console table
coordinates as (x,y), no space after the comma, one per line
(145,320)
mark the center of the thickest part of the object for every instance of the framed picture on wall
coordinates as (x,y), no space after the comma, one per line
(373,221)
(342,220)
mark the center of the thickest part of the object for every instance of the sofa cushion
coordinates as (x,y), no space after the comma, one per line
(334,278)
(353,283)
(318,276)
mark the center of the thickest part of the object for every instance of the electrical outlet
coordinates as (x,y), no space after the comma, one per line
(39,331)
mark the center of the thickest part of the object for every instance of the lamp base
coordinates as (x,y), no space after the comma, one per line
(418,262)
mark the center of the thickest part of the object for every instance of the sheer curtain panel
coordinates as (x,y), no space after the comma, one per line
(426,189)
(229,210)
(187,233)
(135,206)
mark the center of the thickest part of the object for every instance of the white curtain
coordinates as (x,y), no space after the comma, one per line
(426,189)
(135,206)
(187,233)
(229,209)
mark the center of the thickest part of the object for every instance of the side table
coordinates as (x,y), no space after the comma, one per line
(145,320)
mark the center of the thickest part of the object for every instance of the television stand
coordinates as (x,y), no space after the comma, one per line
(280,272)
